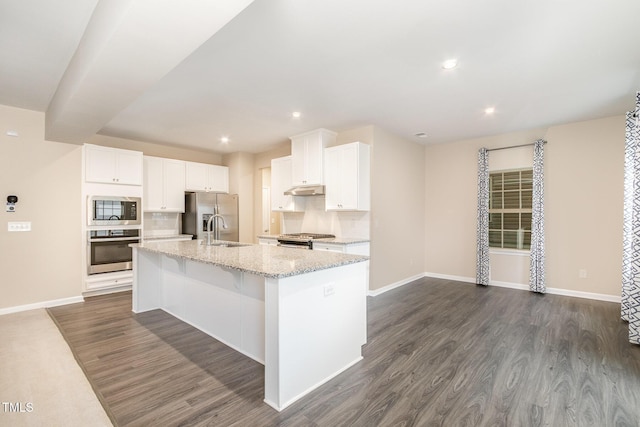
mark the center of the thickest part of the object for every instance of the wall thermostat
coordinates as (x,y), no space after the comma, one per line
(11,203)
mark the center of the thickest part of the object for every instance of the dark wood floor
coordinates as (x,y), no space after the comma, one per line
(440,353)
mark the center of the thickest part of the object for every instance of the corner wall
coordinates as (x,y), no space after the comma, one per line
(397,210)
(584,165)
(262,162)
(241,182)
(43,264)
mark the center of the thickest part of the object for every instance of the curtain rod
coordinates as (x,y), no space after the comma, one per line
(513,146)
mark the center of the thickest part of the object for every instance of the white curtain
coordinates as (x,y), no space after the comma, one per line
(482,250)
(536,269)
(630,302)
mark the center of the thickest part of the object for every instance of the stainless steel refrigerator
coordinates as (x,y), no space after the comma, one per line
(200,206)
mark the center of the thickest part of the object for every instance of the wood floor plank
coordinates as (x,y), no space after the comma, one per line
(439,353)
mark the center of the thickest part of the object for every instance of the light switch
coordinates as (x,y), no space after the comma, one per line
(19,226)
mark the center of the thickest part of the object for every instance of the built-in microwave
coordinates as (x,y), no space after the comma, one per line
(110,210)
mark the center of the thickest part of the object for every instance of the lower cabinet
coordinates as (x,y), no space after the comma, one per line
(267,241)
(353,248)
(109,281)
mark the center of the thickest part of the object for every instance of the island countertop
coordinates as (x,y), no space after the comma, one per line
(268,261)
(333,240)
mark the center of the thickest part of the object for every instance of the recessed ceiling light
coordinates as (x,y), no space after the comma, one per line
(296,114)
(224,139)
(450,64)
(421,135)
(489,110)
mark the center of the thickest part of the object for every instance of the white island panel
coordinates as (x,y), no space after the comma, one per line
(316,326)
(302,315)
(225,304)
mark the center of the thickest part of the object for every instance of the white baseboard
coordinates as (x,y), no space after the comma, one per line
(520,286)
(43,304)
(587,295)
(380,291)
(97,292)
(450,277)
(509,285)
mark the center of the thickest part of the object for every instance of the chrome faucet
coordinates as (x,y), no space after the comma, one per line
(216,230)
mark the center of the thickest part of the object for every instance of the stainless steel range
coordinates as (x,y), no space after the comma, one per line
(301,240)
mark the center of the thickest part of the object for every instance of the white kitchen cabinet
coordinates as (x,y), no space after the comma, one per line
(164,185)
(307,154)
(347,177)
(108,282)
(112,165)
(268,241)
(281,182)
(352,248)
(205,177)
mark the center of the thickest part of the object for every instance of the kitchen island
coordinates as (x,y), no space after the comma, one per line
(301,313)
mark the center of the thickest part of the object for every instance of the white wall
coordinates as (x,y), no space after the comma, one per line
(44,264)
(241,182)
(262,162)
(416,191)
(584,165)
(397,209)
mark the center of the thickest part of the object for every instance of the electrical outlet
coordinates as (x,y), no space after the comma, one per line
(19,226)
(328,290)
(582,273)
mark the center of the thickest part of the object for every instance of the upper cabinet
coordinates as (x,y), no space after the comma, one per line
(164,185)
(205,177)
(281,182)
(307,154)
(347,177)
(112,165)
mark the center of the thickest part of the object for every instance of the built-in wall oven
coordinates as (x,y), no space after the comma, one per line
(114,211)
(108,249)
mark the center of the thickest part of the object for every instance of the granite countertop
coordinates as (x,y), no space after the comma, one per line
(168,237)
(343,240)
(334,240)
(268,261)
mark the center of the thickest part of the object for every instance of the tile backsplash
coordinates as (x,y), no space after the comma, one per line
(316,220)
(158,224)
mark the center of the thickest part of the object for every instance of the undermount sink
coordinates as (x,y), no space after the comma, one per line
(225,244)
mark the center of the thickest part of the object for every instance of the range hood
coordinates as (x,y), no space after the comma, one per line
(305,190)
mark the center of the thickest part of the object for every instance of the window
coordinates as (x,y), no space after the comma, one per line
(510,209)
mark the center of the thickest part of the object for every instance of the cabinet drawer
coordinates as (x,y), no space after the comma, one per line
(106,281)
(328,247)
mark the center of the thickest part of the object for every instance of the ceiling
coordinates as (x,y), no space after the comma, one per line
(190,72)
